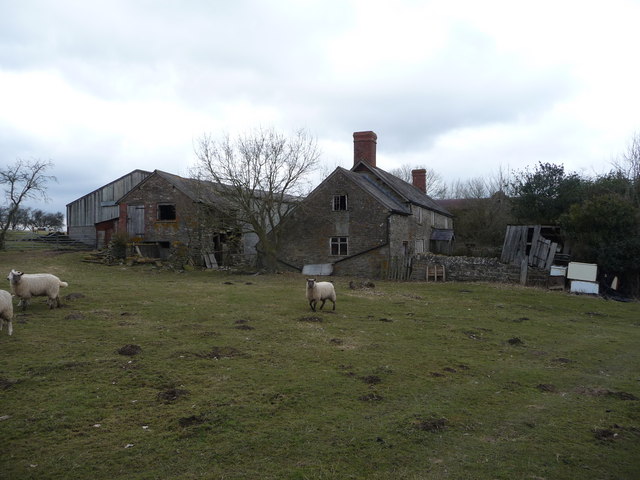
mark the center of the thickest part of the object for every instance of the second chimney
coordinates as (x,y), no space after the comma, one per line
(364,147)
(420,179)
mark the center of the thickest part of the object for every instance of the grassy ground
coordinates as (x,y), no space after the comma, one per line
(149,374)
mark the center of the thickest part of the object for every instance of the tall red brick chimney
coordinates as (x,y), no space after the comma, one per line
(364,147)
(420,179)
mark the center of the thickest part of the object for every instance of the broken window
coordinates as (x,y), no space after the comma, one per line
(339,246)
(339,202)
(166,212)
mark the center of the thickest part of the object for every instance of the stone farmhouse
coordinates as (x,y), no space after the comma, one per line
(364,220)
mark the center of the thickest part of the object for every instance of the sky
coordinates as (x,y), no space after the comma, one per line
(466,88)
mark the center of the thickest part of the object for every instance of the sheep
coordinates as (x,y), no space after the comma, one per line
(320,291)
(25,286)
(6,310)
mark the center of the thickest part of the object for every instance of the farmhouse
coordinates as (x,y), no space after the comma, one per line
(364,220)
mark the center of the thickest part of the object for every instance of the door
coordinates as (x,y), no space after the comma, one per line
(135,220)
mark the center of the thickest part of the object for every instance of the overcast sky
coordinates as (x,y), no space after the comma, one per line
(466,88)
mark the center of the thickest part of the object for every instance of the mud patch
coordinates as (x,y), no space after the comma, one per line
(190,421)
(371,379)
(603,392)
(221,352)
(6,383)
(515,341)
(562,360)
(75,316)
(371,397)
(431,424)
(74,296)
(546,387)
(388,320)
(336,341)
(130,350)
(244,327)
(172,395)
(312,319)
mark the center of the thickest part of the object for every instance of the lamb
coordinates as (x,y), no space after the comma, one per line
(317,291)
(6,310)
(25,286)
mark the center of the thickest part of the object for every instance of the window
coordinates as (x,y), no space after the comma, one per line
(339,202)
(166,212)
(418,215)
(339,246)
(419,246)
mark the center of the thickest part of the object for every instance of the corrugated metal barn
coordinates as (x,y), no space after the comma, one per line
(91,219)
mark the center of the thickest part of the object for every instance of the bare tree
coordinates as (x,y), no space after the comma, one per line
(628,167)
(21,181)
(262,174)
(435,185)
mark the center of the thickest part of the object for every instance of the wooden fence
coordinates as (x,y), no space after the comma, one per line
(525,242)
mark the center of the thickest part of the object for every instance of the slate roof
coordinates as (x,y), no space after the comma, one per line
(392,192)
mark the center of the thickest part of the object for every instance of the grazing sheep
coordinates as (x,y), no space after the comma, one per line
(25,286)
(317,291)
(6,310)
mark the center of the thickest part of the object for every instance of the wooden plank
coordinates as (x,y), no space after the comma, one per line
(551,255)
(534,243)
(524,265)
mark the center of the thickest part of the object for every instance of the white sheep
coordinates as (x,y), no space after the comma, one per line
(317,291)
(6,310)
(25,286)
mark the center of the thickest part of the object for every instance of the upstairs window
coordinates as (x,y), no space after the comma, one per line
(339,246)
(339,202)
(166,212)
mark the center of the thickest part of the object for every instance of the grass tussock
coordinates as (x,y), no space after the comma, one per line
(151,374)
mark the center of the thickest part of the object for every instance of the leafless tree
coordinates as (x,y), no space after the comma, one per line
(434,183)
(628,166)
(262,174)
(25,179)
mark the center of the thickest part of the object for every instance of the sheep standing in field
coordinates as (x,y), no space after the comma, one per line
(25,286)
(317,291)
(6,310)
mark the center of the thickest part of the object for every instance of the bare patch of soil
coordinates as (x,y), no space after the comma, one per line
(431,424)
(172,394)
(221,352)
(190,421)
(244,327)
(371,379)
(336,341)
(371,397)
(130,350)
(515,341)
(75,316)
(311,318)
(6,383)
(361,285)
(74,296)
(601,392)
(546,387)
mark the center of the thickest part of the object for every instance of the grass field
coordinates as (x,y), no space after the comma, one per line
(151,374)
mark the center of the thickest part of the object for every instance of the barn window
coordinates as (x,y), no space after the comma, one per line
(166,212)
(339,202)
(339,246)
(420,246)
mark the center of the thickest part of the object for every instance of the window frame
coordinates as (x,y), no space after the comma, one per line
(341,244)
(341,202)
(161,213)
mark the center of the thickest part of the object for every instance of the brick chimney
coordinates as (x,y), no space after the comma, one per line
(364,147)
(420,179)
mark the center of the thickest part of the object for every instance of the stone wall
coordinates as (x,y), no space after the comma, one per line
(466,269)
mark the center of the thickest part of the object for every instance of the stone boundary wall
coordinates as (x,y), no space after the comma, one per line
(466,269)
